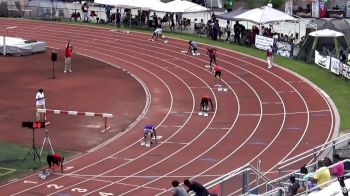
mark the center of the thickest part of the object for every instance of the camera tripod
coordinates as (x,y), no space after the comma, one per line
(33,153)
(46,139)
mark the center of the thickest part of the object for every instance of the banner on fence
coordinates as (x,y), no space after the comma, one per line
(345,70)
(335,65)
(262,42)
(322,61)
(284,49)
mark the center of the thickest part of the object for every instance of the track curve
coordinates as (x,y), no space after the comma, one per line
(267,115)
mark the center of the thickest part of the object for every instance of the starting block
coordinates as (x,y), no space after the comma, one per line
(207,66)
(183,51)
(146,144)
(222,89)
(196,54)
(200,113)
(45,173)
(205,114)
(165,41)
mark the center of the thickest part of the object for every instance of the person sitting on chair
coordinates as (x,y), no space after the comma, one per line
(149,133)
(55,159)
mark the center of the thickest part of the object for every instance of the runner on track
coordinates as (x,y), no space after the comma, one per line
(205,103)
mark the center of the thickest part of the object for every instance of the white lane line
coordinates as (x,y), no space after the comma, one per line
(287,113)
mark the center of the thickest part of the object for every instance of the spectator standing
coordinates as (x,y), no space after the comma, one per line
(172,23)
(216,30)
(236,29)
(40,104)
(228,31)
(338,168)
(118,17)
(108,12)
(178,190)
(85,9)
(68,58)
(196,187)
(241,31)
(269,57)
(155,20)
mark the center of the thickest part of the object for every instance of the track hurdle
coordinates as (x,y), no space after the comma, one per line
(76,113)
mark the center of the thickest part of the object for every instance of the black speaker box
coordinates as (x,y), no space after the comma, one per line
(54,56)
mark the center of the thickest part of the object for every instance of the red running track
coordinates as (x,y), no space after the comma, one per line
(266,115)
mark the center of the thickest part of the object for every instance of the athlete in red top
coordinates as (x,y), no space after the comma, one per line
(68,58)
(55,159)
(269,57)
(217,73)
(211,52)
(205,103)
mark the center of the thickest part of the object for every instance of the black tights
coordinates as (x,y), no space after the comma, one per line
(51,161)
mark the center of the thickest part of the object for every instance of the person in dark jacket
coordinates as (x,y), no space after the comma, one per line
(196,187)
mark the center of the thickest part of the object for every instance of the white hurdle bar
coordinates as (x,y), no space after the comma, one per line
(76,113)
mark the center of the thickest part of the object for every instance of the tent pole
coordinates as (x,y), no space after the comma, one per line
(312,49)
(336,47)
(299,38)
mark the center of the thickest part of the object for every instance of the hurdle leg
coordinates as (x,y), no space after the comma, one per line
(106,128)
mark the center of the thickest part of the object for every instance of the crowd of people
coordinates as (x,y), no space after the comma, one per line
(319,179)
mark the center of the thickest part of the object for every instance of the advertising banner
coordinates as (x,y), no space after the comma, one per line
(345,70)
(322,61)
(262,42)
(284,49)
(335,65)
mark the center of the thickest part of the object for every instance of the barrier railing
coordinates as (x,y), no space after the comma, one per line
(238,180)
(242,176)
(326,183)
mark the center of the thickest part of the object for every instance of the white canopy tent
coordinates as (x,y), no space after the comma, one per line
(183,6)
(176,6)
(264,15)
(142,4)
(326,33)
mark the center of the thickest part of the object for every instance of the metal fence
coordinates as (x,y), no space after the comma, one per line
(249,180)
